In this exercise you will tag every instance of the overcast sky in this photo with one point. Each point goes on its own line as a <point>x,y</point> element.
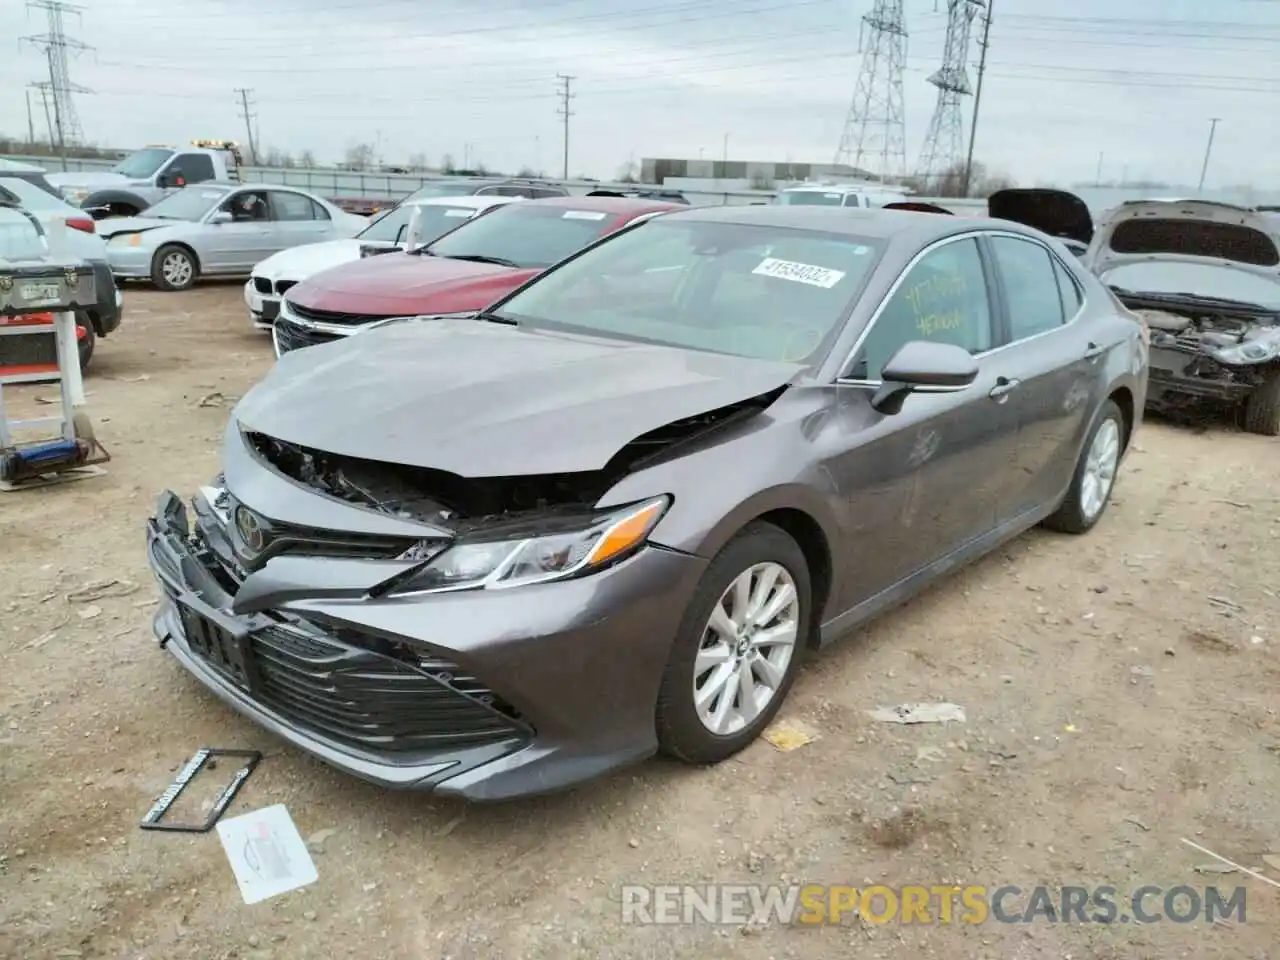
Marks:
<point>1066,81</point>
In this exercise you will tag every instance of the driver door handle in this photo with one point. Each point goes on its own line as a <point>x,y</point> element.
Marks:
<point>1004,386</point>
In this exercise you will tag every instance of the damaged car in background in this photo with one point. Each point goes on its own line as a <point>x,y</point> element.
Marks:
<point>611,514</point>
<point>1205,277</point>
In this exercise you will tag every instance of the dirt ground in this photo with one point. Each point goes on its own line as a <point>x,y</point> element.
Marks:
<point>1121,692</point>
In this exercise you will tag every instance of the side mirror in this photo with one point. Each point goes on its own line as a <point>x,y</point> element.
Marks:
<point>220,216</point>
<point>923,367</point>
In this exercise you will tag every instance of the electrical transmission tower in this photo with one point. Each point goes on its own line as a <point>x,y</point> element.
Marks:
<point>876,125</point>
<point>943,152</point>
<point>565,113</point>
<point>55,44</point>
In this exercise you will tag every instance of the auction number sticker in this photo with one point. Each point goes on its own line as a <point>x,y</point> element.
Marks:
<point>39,294</point>
<point>583,215</point>
<point>808,273</point>
<point>458,212</point>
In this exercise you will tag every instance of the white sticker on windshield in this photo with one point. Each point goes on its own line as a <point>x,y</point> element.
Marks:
<point>799,272</point>
<point>583,215</point>
<point>458,212</point>
<point>211,195</point>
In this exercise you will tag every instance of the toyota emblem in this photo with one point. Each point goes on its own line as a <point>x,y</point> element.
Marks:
<point>250,528</point>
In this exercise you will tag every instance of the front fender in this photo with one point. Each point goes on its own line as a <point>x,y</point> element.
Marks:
<point>96,203</point>
<point>771,462</point>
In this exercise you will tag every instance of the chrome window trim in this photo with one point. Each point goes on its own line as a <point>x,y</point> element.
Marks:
<point>911,265</point>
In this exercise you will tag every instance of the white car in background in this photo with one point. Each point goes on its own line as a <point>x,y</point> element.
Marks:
<point>79,238</point>
<point>838,195</point>
<point>276,274</point>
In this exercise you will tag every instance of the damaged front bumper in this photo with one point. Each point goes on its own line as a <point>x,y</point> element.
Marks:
<point>483,694</point>
<point>1177,374</point>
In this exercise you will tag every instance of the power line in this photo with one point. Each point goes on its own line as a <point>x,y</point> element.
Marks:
<point>565,113</point>
<point>55,44</point>
<point>243,93</point>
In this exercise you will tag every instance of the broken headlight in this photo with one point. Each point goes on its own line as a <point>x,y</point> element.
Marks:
<point>1251,351</point>
<point>514,562</point>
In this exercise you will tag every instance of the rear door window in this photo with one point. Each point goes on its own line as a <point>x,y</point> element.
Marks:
<point>1030,285</point>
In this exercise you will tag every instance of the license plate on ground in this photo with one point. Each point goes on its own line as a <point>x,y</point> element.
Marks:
<point>217,646</point>
<point>270,309</point>
<point>40,294</point>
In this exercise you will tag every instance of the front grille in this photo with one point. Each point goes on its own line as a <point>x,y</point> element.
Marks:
<point>284,285</point>
<point>262,284</point>
<point>334,317</point>
<point>291,336</point>
<point>358,698</point>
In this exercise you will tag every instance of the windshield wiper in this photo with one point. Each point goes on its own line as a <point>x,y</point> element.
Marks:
<point>481,258</point>
<point>495,317</point>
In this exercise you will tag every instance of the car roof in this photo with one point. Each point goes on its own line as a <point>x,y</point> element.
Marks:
<point>874,223</point>
<point>620,206</point>
<point>465,200</point>
<point>841,188</point>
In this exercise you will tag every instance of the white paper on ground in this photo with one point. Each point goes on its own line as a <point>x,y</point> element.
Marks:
<point>267,854</point>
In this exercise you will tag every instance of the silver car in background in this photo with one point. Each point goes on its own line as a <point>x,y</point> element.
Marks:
<point>219,229</point>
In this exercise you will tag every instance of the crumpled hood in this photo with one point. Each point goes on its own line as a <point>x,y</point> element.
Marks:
<point>1058,213</point>
<point>299,263</point>
<point>110,227</point>
<point>1187,231</point>
<point>397,284</point>
<point>479,399</point>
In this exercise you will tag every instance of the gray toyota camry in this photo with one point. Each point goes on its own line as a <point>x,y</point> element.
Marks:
<point>610,515</point>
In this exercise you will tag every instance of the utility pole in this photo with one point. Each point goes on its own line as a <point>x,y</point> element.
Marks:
<point>248,121</point>
<point>1213,126</point>
<point>31,124</point>
<point>977,96</point>
<point>565,113</point>
<point>44,101</point>
<point>1097,177</point>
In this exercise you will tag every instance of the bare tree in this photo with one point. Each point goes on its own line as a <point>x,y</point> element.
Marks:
<point>306,159</point>
<point>627,172</point>
<point>274,157</point>
<point>983,181</point>
<point>446,164</point>
<point>418,161</point>
<point>360,156</point>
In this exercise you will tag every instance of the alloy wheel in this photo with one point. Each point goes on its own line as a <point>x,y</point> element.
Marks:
<point>177,269</point>
<point>1100,469</point>
<point>747,646</point>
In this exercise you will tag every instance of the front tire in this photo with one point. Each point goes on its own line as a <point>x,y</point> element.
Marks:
<point>174,268</point>
<point>738,649</point>
<point>1262,408</point>
<point>1095,475</point>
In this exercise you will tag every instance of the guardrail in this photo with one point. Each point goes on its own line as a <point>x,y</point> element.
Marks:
<point>348,187</point>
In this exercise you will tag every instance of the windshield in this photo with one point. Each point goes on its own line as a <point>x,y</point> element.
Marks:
<point>445,188</point>
<point>811,198</point>
<point>752,291</point>
<point>189,204</point>
<point>437,219</point>
<point>1201,279</point>
<point>143,163</point>
<point>524,235</point>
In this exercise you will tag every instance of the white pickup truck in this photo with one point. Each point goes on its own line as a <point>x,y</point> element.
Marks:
<point>146,176</point>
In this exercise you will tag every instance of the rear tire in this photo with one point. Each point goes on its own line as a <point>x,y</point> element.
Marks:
<point>1262,408</point>
<point>734,644</point>
<point>85,342</point>
<point>1095,474</point>
<point>174,268</point>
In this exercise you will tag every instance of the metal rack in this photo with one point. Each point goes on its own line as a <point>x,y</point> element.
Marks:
<point>38,299</point>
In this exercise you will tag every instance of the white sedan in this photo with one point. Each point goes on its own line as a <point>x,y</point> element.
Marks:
<point>276,274</point>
